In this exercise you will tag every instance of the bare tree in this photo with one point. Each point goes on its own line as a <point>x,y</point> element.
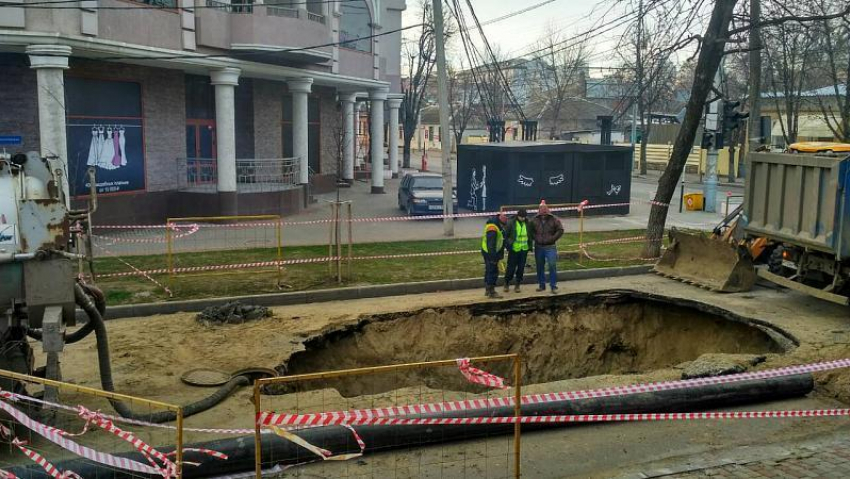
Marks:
<point>788,50</point>
<point>710,54</point>
<point>419,55</point>
<point>463,99</point>
<point>556,72</point>
<point>833,40</point>
<point>645,51</point>
<point>712,49</point>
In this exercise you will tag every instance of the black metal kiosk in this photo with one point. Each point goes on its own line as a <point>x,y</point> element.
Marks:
<point>491,175</point>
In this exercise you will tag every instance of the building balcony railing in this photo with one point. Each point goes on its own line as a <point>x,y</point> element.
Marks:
<point>316,17</point>
<point>278,11</point>
<point>200,175</point>
<point>228,7</point>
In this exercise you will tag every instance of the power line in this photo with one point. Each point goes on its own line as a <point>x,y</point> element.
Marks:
<point>265,52</point>
<point>62,5</point>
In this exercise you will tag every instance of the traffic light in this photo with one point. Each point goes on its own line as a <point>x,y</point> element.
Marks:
<point>730,121</point>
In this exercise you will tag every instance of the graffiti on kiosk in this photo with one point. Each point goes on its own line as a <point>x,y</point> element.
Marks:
<point>525,180</point>
<point>615,190</point>
<point>474,187</point>
<point>556,180</point>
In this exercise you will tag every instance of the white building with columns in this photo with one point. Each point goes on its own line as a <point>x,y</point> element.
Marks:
<point>203,107</point>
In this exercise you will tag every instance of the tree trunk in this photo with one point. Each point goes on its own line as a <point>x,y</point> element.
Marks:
<point>644,140</point>
<point>406,151</point>
<point>709,60</point>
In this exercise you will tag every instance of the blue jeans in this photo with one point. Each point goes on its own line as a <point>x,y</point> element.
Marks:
<point>491,270</point>
<point>541,257</point>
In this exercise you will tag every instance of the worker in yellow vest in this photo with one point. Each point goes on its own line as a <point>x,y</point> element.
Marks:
<point>518,243</point>
<point>493,249</point>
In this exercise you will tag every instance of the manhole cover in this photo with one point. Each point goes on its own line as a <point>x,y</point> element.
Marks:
<point>205,377</point>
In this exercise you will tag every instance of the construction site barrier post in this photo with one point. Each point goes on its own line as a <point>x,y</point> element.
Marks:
<point>515,370</point>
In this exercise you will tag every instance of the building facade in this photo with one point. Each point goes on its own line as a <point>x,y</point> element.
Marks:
<point>200,107</point>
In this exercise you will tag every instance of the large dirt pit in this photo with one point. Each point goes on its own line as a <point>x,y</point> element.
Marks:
<point>564,337</point>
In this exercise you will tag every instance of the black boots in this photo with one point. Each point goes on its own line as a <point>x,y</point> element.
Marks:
<point>491,293</point>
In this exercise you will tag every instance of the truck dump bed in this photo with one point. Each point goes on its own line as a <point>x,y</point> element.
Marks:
<point>799,199</point>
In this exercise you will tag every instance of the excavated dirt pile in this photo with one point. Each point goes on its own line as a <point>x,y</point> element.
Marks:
<point>558,337</point>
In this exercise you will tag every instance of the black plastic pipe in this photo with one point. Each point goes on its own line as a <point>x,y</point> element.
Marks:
<point>383,438</point>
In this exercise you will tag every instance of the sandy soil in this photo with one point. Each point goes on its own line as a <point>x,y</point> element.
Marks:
<point>150,354</point>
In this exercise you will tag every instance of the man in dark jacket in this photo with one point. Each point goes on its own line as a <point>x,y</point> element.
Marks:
<point>492,249</point>
<point>517,243</point>
<point>546,231</point>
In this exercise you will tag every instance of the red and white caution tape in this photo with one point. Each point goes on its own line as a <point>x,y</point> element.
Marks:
<point>137,271</point>
<point>478,376</point>
<point>48,467</point>
<point>167,469</point>
<point>278,419</point>
<point>380,219</point>
<point>189,231</point>
<point>585,418</point>
<point>20,397</point>
<point>52,435</point>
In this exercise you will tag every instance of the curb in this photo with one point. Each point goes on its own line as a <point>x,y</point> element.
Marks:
<point>349,293</point>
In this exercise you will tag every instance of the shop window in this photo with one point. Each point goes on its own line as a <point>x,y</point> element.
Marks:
<point>105,130</point>
<point>355,26</point>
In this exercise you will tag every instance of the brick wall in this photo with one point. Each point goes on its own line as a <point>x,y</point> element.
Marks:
<point>164,109</point>
<point>268,112</point>
<point>18,101</point>
<point>331,130</point>
<point>244,101</point>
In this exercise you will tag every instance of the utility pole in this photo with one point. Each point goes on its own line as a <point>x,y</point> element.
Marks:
<point>445,135</point>
<point>634,131</point>
<point>713,128</point>
<point>640,86</point>
<point>754,123</point>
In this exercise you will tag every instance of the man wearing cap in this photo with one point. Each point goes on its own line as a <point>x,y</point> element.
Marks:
<point>546,230</point>
<point>493,249</point>
<point>518,243</point>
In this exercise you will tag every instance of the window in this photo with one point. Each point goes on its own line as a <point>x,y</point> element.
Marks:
<point>427,183</point>
<point>160,3</point>
<point>355,26</point>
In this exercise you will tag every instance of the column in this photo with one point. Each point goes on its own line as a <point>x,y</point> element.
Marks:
<point>225,82</point>
<point>376,138</point>
<point>300,89</point>
<point>394,104</point>
<point>348,100</point>
<point>50,62</point>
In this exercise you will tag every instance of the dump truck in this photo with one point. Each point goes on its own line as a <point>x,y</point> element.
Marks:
<point>797,207</point>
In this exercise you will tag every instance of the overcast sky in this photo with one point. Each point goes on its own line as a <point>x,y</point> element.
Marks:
<point>517,35</point>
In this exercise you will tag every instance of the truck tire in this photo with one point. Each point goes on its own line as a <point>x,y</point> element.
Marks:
<point>774,262</point>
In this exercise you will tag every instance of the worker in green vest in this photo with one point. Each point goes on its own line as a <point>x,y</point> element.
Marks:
<point>493,250</point>
<point>518,243</point>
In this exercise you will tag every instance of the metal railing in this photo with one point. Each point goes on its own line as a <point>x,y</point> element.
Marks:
<point>279,11</point>
<point>316,17</point>
<point>228,7</point>
<point>252,175</point>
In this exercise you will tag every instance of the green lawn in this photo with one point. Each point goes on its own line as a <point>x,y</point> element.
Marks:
<point>127,290</point>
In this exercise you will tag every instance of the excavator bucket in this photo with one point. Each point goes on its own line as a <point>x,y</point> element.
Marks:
<point>711,263</point>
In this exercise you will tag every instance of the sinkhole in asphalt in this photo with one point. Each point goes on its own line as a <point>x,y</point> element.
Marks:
<point>558,337</point>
